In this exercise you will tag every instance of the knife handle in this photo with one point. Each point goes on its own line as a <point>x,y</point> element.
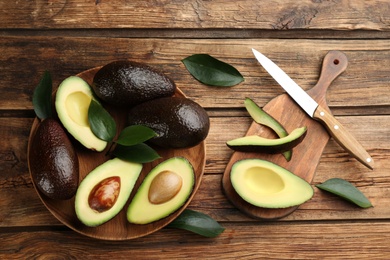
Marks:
<point>343,137</point>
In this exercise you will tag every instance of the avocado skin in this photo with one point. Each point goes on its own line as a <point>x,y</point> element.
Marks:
<point>53,161</point>
<point>127,83</point>
<point>178,122</point>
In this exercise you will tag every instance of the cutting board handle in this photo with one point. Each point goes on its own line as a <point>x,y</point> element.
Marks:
<point>334,63</point>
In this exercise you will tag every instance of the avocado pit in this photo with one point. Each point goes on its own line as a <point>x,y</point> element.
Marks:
<point>104,195</point>
<point>164,187</point>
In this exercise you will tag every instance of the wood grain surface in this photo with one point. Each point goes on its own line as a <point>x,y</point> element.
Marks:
<point>67,37</point>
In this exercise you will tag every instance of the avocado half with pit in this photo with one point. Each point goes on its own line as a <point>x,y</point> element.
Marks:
<point>255,143</point>
<point>72,102</point>
<point>164,190</point>
<point>104,191</point>
<point>267,185</point>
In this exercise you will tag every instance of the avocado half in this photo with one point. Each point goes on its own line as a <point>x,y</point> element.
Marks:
<point>104,191</point>
<point>267,185</point>
<point>164,190</point>
<point>72,102</point>
<point>255,143</point>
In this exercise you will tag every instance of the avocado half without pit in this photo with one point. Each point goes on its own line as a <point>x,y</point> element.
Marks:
<point>164,190</point>
<point>72,101</point>
<point>267,185</point>
<point>255,143</point>
<point>104,191</point>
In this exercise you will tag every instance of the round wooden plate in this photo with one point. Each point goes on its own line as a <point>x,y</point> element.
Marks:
<point>118,228</point>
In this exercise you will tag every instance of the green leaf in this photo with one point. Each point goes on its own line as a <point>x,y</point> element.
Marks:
<point>211,71</point>
<point>263,118</point>
<point>42,100</point>
<point>198,223</point>
<point>139,153</point>
<point>101,122</point>
<point>346,190</point>
<point>135,134</point>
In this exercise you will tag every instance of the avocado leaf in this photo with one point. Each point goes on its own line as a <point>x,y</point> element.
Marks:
<point>345,190</point>
<point>135,134</point>
<point>198,223</point>
<point>42,100</point>
<point>211,71</point>
<point>139,153</point>
<point>101,122</point>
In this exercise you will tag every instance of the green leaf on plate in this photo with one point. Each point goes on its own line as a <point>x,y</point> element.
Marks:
<point>346,190</point>
<point>135,134</point>
<point>211,71</point>
<point>101,122</point>
<point>139,153</point>
<point>42,100</point>
<point>198,223</point>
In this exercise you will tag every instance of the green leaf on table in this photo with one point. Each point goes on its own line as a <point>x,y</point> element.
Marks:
<point>139,153</point>
<point>345,190</point>
<point>101,122</point>
<point>198,223</point>
<point>135,134</point>
<point>42,100</point>
<point>211,71</point>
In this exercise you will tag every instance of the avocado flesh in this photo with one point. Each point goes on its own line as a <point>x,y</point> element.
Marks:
<point>263,118</point>
<point>142,211</point>
<point>128,174</point>
<point>72,102</point>
<point>126,83</point>
<point>267,185</point>
<point>178,122</point>
<point>53,161</point>
<point>255,143</point>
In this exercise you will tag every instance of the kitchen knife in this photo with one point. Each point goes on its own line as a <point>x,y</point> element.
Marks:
<point>315,111</point>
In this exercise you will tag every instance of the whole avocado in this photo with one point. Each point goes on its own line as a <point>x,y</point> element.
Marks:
<point>178,122</point>
<point>53,161</point>
<point>127,83</point>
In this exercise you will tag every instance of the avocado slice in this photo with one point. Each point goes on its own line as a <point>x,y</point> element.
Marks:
<point>255,143</point>
<point>262,117</point>
<point>104,191</point>
<point>164,190</point>
<point>73,98</point>
<point>268,185</point>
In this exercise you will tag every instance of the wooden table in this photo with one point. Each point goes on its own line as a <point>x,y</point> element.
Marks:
<point>67,37</point>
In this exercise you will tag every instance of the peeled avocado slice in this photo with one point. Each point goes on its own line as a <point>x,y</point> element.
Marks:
<point>262,117</point>
<point>104,191</point>
<point>164,190</point>
<point>267,185</point>
<point>255,143</point>
<point>72,102</point>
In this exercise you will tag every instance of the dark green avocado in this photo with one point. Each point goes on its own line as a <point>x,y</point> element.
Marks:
<point>127,83</point>
<point>178,122</point>
<point>53,161</point>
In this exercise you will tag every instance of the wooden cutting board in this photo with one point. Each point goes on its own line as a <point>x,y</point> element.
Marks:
<point>307,154</point>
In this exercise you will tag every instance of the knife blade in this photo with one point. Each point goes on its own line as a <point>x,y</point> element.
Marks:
<point>316,111</point>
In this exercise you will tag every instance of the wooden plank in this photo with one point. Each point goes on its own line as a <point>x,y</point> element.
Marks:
<point>22,205</point>
<point>307,240</point>
<point>366,77</point>
<point>242,14</point>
